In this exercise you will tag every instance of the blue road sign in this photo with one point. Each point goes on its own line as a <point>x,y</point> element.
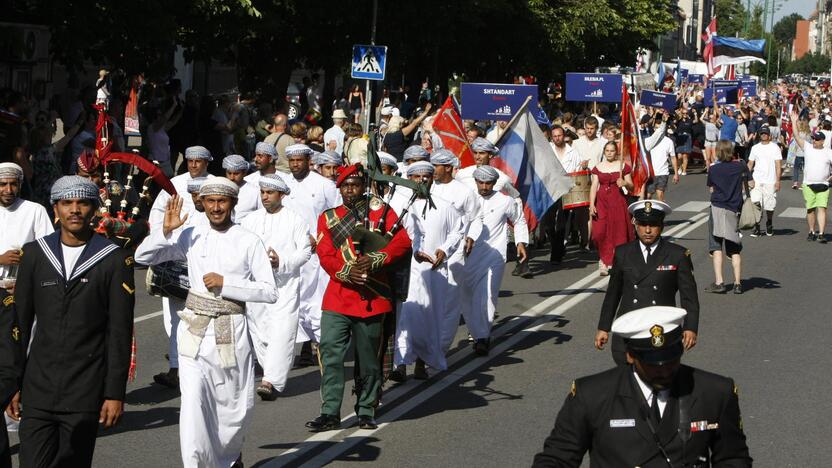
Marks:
<point>368,62</point>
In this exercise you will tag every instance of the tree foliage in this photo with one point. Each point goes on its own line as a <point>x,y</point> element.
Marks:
<point>809,64</point>
<point>731,17</point>
<point>784,31</point>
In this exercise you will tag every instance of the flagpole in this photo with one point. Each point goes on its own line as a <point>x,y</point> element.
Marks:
<point>514,119</point>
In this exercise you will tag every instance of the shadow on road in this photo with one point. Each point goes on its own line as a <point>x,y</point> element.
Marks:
<point>760,283</point>
<point>152,418</point>
<point>152,394</point>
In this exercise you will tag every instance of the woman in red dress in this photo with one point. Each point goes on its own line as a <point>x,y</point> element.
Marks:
<point>611,224</point>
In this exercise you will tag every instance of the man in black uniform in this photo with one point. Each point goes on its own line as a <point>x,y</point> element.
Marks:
<point>655,412</point>
<point>79,286</point>
<point>11,355</point>
<point>648,271</point>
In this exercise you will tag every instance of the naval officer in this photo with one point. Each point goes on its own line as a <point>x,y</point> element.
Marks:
<point>646,272</point>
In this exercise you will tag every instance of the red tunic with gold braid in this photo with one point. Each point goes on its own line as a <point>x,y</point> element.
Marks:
<point>341,295</point>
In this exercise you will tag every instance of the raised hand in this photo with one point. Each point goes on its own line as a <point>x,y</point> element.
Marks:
<point>173,219</point>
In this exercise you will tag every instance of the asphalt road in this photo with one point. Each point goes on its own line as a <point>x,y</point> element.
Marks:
<point>496,410</point>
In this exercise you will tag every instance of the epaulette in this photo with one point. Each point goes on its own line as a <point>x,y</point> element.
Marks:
<point>9,300</point>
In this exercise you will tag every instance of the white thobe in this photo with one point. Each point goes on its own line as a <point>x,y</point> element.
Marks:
<point>484,267</point>
<point>216,401</point>
<point>274,327</point>
<point>419,325</point>
<point>310,197</point>
<point>156,218</point>
<point>248,201</point>
<point>466,203</point>
<point>21,222</point>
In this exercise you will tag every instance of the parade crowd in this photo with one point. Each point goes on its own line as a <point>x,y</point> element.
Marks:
<point>279,232</point>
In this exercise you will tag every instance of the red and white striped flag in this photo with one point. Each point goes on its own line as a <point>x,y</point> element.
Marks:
<point>708,52</point>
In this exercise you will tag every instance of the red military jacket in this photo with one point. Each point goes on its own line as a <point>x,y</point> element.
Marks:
<point>342,296</point>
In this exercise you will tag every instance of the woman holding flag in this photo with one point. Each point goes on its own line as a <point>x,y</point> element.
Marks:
<point>608,205</point>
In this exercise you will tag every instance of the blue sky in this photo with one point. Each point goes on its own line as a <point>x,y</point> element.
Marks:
<point>803,7</point>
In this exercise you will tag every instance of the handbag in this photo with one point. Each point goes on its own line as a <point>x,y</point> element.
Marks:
<point>750,213</point>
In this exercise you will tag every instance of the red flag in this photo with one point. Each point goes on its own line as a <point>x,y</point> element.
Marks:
<point>448,125</point>
<point>630,151</point>
<point>708,52</point>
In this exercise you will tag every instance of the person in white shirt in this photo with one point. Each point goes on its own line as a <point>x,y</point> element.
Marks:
<point>764,162</point>
<point>334,137</point>
<point>21,222</point>
<point>310,195</point>
<point>589,146</point>
<point>817,169</point>
<point>274,327</point>
<point>265,161</point>
<point>662,154</point>
<point>487,259</point>
<point>236,168</point>
<point>227,267</point>
<point>557,219</point>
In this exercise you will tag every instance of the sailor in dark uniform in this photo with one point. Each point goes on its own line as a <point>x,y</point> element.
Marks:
<point>11,356</point>
<point>654,412</point>
<point>647,272</point>
<point>79,286</point>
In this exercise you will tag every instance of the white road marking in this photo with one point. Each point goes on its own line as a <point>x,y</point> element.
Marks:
<point>149,316</point>
<point>542,311</point>
<point>793,212</point>
<point>694,206</point>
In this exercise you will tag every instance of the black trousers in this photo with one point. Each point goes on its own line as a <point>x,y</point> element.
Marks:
<point>57,440</point>
<point>555,221</point>
<point>5,452</point>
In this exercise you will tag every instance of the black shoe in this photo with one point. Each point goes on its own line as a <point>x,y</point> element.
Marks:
<point>522,270</point>
<point>481,347</point>
<point>756,232</point>
<point>306,357</point>
<point>812,237</point>
<point>822,238</point>
<point>769,231</point>
<point>716,288</point>
<point>555,260</point>
<point>737,288</point>
<point>168,379</point>
<point>267,392</point>
<point>324,422</point>
<point>398,375</point>
<point>420,372</point>
<point>367,422</point>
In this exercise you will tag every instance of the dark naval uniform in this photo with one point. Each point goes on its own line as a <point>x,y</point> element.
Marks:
<point>80,353</point>
<point>11,362</point>
<point>607,415</point>
<point>635,284</point>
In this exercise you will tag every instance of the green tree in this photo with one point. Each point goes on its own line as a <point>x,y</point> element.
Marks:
<point>730,18</point>
<point>809,64</point>
<point>784,31</point>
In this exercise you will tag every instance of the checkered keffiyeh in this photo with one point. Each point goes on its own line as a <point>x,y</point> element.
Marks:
<point>198,152</point>
<point>219,186</point>
<point>235,163</point>
<point>10,170</point>
<point>72,188</point>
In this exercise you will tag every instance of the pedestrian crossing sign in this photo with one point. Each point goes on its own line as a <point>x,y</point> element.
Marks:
<point>368,62</point>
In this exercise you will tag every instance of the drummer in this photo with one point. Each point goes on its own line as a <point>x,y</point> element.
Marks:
<point>557,220</point>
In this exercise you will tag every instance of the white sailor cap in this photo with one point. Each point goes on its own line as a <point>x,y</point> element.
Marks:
<point>219,186</point>
<point>274,182</point>
<point>10,170</point>
<point>198,152</point>
<point>235,163</point>
<point>649,211</point>
<point>195,184</point>
<point>73,187</point>
<point>298,150</point>
<point>442,157</point>
<point>652,334</point>
<point>265,148</point>
<point>387,159</point>
<point>486,174</point>
<point>420,167</point>
<point>415,152</point>
<point>480,144</point>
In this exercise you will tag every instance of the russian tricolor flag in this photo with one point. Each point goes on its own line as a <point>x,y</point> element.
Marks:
<point>528,159</point>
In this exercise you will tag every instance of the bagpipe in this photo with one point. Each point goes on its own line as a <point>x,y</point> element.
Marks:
<point>119,217</point>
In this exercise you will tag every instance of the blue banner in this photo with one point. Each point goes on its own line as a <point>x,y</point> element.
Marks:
<point>696,78</point>
<point>685,74</point>
<point>491,101</point>
<point>598,87</point>
<point>726,83</point>
<point>724,95</point>
<point>666,101</point>
<point>749,88</point>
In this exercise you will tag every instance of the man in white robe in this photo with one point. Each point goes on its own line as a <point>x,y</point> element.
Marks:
<point>465,202</point>
<point>197,158</point>
<point>21,222</point>
<point>483,271</point>
<point>274,326</point>
<point>227,267</point>
<point>265,161</point>
<point>310,195</point>
<point>436,234</point>
<point>236,168</point>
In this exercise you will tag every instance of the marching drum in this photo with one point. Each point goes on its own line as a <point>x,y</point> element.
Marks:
<point>168,279</point>
<point>578,195</point>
